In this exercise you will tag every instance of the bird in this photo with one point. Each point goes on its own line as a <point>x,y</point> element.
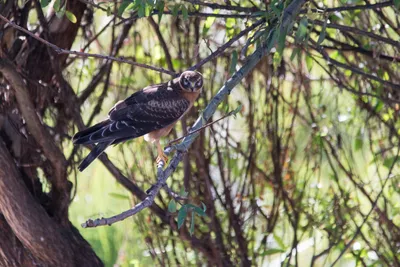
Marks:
<point>151,112</point>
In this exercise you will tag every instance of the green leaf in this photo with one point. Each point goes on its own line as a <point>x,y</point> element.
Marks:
<point>279,241</point>
<point>44,3</point>
<point>118,196</point>
<point>109,11</point>
<point>272,251</point>
<point>358,143</point>
<point>234,60</point>
<point>379,105</point>
<point>295,52</point>
<point>301,32</point>
<point>388,162</point>
<point>123,6</point>
<point>321,37</point>
<point>191,230</point>
<point>183,192</point>
<point>196,209</point>
<point>57,5</point>
<point>272,39</point>
<point>236,110</point>
<point>160,9</point>
<point>172,206</point>
<point>182,216</point>
<point>142,10</point>
<point>207,24</point>
<point>259,14</point>
<point>281,42</point>
<point>309,62</point>
<point>204,206</point>
<point>185,12</point>
<point>175,10</point>
<point>61,12</point>
<point>70,16</point>
<point>396,4</point>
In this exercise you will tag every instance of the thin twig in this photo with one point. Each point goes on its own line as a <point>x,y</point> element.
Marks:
<point>60,51</point>
<point>224,7</point>
<point>201,128</point>
<point>173,194</point>
<point>227,44</point>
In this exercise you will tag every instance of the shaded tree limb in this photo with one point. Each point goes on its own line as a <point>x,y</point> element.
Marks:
<point>46,241</point>
<point>43,138</point>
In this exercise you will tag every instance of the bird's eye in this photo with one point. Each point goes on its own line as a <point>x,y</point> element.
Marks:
<point>186,82</point>
<point>199,83</point>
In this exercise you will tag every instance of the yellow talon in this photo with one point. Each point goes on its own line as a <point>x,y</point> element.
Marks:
<point>161,156</point>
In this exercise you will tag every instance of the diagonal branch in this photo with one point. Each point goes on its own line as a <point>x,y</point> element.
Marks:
<point>61,51</point>
<point>162,175</point>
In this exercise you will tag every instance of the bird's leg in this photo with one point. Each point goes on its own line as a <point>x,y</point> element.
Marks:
<point>161,156</point>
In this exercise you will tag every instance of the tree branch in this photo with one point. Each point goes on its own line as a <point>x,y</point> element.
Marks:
<point>162,175</point>
<point>41,135</point>
<point>61,51</point>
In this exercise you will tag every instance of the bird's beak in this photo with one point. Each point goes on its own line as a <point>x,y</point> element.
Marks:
<point>193,86</point>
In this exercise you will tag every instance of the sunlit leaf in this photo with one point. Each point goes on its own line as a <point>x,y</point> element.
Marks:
<point>208,22</point>
<point>309,62</point>
<point>279,241</point>
<point>70,16</point>
<point>57,5</point>
<point>272,251</point>
<point>119,196</point>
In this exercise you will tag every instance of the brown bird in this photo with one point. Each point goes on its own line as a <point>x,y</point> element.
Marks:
<point>152,111</point>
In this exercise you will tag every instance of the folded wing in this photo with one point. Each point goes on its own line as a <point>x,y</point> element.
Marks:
<point>142,113</point>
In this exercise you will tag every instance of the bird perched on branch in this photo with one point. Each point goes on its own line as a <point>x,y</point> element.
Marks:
<point>152,111</point>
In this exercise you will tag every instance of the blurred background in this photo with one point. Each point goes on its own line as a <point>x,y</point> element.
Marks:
<point>305,174</point>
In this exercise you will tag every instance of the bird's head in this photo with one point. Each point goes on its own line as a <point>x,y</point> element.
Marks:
<point>191,81</point>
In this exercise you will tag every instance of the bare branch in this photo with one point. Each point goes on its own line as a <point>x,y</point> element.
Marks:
<point>61,51</point>
<point>226,45</point>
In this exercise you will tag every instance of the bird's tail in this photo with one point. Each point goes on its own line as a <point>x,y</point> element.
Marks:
<point>96,151</point>
<point>86,136</point>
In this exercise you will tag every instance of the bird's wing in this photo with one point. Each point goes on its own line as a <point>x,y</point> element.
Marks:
<point>145,111</point>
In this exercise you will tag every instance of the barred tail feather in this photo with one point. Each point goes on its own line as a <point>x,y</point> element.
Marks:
<point>96,151</point>
<point>83,137</point>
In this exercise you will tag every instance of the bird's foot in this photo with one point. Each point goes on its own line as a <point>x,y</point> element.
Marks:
<point>161,157</point>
